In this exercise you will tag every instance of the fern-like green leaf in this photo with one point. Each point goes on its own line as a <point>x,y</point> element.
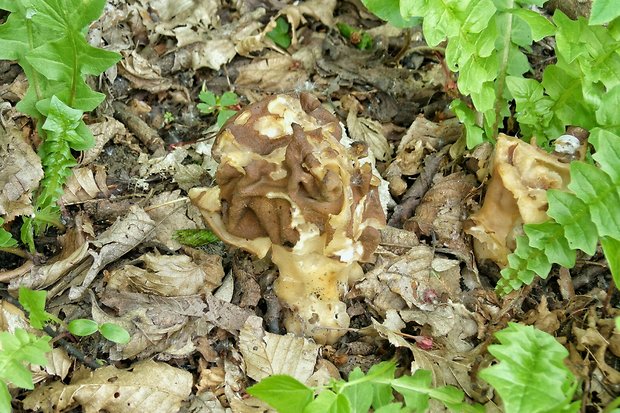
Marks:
<point>6,239</point>
<point>531,375</point>
<point>18,349</point>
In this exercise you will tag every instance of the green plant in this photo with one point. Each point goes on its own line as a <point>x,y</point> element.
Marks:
<point>16,351</point>
<point>34,302</point>
<point>280,34</point>
<point>358,38</point>
<point>195,237</point>
<point>6,239</point>
<point>374,389</point>
<point>531,375</point>
<point>212,103</point>
<point>47,39</point>
<point>485,43</point>
<point>168,117</point>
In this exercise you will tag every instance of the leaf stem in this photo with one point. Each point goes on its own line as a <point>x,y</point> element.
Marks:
<point>501,78</point>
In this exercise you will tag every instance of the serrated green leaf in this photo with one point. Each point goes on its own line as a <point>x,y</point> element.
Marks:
<point>224,115</point>
<point>531,375</point>
<point>539,25</point>
<point>283,393</point>
<point>17,349</point>
<point>474,133</point>
<point>393,11</point>
<point>606,115</point>
<point>6,239</point>
<point>328,402</point>
<point>549,237</point>
<point>83,327</point>
<point>607,154</point>
<point>5,398</point>
<point>359,394</point>
<point>229,99</point>
<point>34,302</point>
<point>114,333</point>
<point>208,97</point>
<point>603,11</point>
<point>611,249</point>
<point>574,216</point>
<point>595,189</point>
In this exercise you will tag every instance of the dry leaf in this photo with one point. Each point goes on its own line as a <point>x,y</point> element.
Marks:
<point>147,386</point>
<point>370,132</point>
<point>19,175</point>
<point>171,211</point>
<point>227,316</point>
<point>274,74</point>
<point>42,276</point>
<point>165,325</point>
<point>82,185</point>
<point>103,133</point>
<point>164,275</point>
<point>116,241</point>
<point>266,354</point>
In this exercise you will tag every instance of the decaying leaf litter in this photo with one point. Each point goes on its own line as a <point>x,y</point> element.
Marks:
<point>206,323</point>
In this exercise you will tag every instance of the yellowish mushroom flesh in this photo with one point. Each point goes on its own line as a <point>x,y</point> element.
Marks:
<point>286,185</point>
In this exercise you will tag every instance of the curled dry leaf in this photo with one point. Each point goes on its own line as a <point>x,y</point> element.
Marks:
<point>171,213</point>
<point>422,138</point>
<point>20,174</point>
<point>143,74</point>
<point>516,195</point>
<point>166,326</point>
<point>147,386</point>
<point>266,354</point>
<point>42,276</point>
<point>103,133</point>
<point>275,73</point>
<point>116,241</point>
<point>166,275</point>
<point>83,185</point>
<point>172,15</point>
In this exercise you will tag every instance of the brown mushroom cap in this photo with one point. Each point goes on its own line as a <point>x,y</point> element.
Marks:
<point>287,184</point>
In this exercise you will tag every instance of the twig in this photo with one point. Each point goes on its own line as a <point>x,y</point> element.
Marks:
<point>414,194</point>
<point>143,132</point>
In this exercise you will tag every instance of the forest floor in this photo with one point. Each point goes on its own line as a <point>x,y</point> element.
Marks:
<point>204,322</point>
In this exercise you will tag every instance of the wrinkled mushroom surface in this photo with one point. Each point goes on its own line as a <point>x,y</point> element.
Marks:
<point>286,184</point>
<point>516,195</point>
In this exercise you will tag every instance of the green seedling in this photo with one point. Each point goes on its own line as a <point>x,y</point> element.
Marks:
<point>280,34</point>
<point>358,38</point>
<point>374,389</point>
<point>222,105</point>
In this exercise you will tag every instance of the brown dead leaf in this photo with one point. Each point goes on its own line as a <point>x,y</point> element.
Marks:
<point>275,73</point>
<point>116,241</point>
<point>164,325</point>
<point>83,185</point>
<point>42,276</point>
<point>163,275</point>
<point>370,132</point>
<point>20,174</point>
<point>103,133</point>
<point>172,212</point>
<point>322,10</point>
<point>147,386</point>
<point>266,354</point>
<point>226,315</point>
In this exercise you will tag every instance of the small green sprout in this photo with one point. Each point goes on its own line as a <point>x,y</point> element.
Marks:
<point>280,34</point>
<point>168,117</point>
<point>195,237</point>
<point>358,38</point>
<point>222,105</point>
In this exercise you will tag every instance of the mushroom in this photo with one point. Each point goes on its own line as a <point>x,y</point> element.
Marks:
<point>516,195</point>
<point>286,185</point>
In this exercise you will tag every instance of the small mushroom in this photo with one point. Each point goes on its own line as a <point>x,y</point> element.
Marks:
<point>287,186</point>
